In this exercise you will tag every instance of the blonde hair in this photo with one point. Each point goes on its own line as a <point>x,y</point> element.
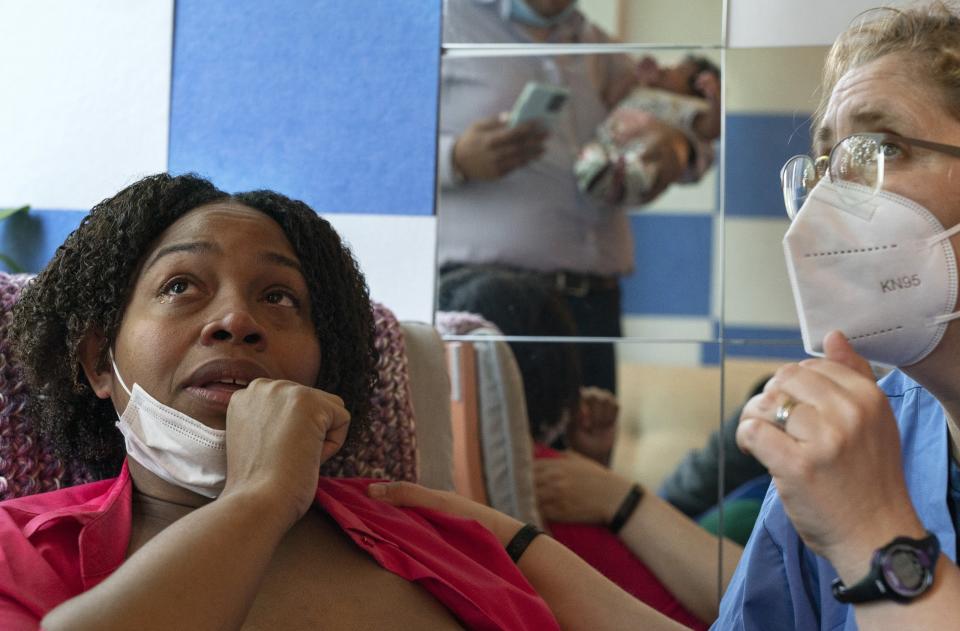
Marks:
<point>928,32</point>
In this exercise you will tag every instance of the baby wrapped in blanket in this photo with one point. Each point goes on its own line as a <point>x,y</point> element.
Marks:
<point>618,167</point>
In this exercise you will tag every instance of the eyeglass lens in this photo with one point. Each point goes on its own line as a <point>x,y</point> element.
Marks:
<point>797,178</point>
<point>857,159</point>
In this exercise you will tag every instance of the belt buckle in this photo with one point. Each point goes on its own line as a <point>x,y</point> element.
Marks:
<point>577,291</point>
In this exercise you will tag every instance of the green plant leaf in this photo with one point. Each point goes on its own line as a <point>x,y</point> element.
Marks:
<point>11,264</point>
<point>7,212</point>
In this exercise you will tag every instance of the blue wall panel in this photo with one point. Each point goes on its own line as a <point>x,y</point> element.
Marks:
<point>751,334</point>
<point>31,239</point>
<point>755,343</point>
<point>757,147</point>
<point>672,266</point>
<point>779,352</point>
<point>709,354</point>
<point>330,101</point>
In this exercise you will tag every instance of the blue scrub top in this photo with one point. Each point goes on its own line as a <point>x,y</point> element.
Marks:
<point>780,584</point>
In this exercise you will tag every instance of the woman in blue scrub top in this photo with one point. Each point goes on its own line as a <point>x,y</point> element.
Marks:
<point>859,527</point>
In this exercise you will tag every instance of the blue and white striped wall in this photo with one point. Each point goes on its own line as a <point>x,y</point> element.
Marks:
<point>334,102</point>
<point>330,102</point>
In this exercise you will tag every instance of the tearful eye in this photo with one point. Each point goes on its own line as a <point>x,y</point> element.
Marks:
<point>176,286</point>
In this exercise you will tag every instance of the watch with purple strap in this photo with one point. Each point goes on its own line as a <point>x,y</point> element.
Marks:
<point>900,571</point>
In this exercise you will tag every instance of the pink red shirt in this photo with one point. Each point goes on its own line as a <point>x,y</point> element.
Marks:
<point>55,546</point>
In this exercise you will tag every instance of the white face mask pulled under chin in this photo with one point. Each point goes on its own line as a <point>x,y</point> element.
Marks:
<point>878,267</point>
<point>171,445</point>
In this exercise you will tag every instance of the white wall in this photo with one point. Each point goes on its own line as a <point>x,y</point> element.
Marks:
<point>396,254</point>
<point>673,21</point>
<point>760,23</point>
<point>774,80</point>
<point>86,96</point>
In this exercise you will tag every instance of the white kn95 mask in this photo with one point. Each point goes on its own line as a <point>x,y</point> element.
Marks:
<point>877,266</point>
<point>168,443</point>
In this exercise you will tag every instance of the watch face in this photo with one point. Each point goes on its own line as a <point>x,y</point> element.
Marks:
<point>905,569</point>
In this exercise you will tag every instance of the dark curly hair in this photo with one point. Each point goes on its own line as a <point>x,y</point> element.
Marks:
<point>88,283</point>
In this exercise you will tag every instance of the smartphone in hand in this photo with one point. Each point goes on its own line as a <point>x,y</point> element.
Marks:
<point>539,102</point>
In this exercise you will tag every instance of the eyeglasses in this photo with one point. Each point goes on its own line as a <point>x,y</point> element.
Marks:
<point>860,158</point>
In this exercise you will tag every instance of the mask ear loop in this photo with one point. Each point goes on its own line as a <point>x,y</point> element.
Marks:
<point>932,241</point>
<point>116,371</point>
<point>943,319</point>
<point>946,234</point>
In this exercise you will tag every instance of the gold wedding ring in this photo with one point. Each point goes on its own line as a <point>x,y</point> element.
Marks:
<point>783,413</point>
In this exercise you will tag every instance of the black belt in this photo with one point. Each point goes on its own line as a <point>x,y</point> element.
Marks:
<point>575,284</point>
<point>579,285</point>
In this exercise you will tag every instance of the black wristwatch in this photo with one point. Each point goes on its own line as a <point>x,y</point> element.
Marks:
<point>899,571</point>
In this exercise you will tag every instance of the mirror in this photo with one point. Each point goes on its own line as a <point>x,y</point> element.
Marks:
<point>771,94</point>
<point>660,353</point>
<point>648,22</point>
<point>553,215</point>
<point>669,405</point>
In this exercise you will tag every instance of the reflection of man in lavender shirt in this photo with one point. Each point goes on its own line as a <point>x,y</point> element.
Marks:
<point>509,196</point>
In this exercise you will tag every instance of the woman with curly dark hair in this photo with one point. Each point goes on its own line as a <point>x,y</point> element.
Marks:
<point>229,339</point>
<point>87,287</point>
